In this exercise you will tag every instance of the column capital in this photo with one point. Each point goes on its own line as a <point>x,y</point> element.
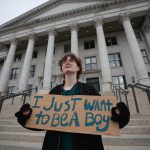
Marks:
<point>14,41</point>
<point>74,26</point>
<point>52,31</point>
<point>98,21</point>
<point>32,36</point>
<point>125,16</point>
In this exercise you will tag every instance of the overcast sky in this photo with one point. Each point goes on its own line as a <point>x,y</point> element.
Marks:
<point>10,9</point>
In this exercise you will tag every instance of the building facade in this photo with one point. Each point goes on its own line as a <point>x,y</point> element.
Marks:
<point>112,38</point>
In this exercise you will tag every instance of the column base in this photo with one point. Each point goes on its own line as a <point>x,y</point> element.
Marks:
<point>106,87</point>
<point>145,81</point>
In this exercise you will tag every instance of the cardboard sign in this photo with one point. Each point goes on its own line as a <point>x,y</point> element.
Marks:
<point>76,114</point>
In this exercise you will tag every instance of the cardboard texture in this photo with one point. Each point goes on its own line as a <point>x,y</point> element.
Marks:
<point>76,114</point>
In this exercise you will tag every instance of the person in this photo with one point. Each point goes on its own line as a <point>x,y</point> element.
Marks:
<point>71,68</point>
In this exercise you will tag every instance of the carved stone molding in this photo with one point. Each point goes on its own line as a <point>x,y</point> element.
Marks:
<point>125,16</point>
<point>74,26</point>
<point>52,31</point>
<point>17,24</point>
<point>98,21</point>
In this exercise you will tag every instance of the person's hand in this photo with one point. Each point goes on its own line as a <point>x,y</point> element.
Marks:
<point>24,114</point>
<point>120,114</point>
<point>26,110</point>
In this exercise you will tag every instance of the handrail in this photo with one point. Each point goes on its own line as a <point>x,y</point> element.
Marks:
<point>24,94</point>
<point>143,87</point>
<point>118,91</point>
<point>140,86</point>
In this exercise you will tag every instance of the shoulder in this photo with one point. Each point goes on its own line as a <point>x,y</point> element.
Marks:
<point>87,89</point>
<point>56,90</point>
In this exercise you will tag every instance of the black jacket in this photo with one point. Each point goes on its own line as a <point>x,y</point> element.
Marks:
<point>81,141</point>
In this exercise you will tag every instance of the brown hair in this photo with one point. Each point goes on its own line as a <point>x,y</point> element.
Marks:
<point>76,59</point>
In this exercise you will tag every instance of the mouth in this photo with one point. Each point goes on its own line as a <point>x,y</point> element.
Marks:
<point>68,66</point>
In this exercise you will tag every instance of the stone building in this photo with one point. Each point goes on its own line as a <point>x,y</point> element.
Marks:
<point>112,37</point>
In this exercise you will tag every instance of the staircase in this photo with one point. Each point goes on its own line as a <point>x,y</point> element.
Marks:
<point>135,136</point>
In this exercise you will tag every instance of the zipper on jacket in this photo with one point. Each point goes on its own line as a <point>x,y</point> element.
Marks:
<point>58,142</point>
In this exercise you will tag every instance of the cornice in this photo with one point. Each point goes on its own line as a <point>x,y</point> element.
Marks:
<point>75,12</point>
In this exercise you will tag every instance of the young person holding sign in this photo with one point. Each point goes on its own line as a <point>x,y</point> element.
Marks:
<point>71,68</point>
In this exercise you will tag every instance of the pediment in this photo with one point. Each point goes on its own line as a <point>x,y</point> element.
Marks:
<point>64,7</point>
<point>49,8</point>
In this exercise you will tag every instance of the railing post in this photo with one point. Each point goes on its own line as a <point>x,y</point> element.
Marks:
<point>13,101</point>
<point>24,99</point>
<point>148,94</point>
<point>1,104</point>
<point>120,96</point>
<point>136,104</point>
<point>126,100</point>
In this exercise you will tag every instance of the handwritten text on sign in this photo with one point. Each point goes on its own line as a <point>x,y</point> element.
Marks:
<point>77,114</point>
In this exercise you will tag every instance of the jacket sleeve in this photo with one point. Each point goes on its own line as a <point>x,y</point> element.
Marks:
<point>123,117</point>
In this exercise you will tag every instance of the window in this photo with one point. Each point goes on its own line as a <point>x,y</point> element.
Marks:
<point>35,53</point>
<point>138,36</point>
<point>32,71</point>
<point>18,57</point>
<point>119,80</point>
<point>14,73</point>
<point>11,89</point>
<point>111,41</point>
<point>67,48</point>
<point>114,60</point>
<point>149,74</point>
<point>94,82</point>
<point>90,63</point>
<point>145,57</point>
<point>29,87</point>
<point>89,44</point>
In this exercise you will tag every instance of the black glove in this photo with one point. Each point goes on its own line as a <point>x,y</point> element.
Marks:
<point>21,117</point>
<point>123,116</point>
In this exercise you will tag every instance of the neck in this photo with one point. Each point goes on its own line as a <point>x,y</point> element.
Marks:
<point>70,80</point>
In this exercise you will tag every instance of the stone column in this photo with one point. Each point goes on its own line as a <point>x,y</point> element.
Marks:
<point>26,65</point>
<point>135,50</point>
<point>103,56</point>
<point>6,69</point>
<point>74,38</point>
<point>146,29</point>
<point>49,60</point>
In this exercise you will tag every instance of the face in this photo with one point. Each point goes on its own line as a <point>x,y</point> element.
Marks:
<point>69,66</point>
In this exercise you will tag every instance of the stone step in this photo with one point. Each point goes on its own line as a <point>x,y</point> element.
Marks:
<point>126,147</point>
<point>135,130</point>
<point>22,136</point>
<point>126,139</point>
<point>19,145</point>
<point>123,139</point>
<point>126,130</point>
